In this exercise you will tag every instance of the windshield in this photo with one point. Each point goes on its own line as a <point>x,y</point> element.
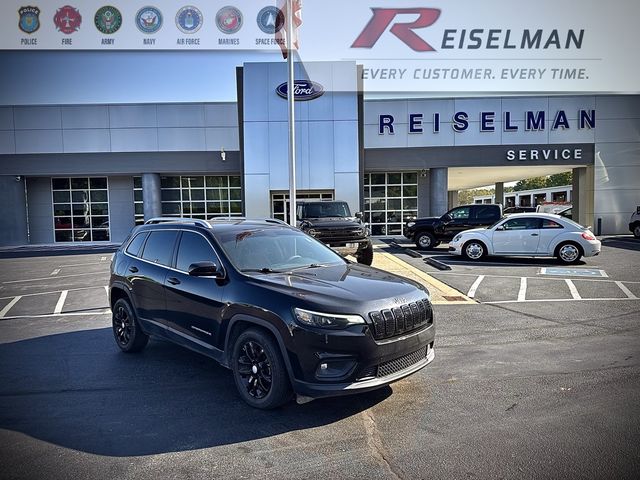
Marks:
<point>326,209</point>
<point>275,250</point>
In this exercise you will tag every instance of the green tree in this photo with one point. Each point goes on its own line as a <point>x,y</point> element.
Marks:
<point>465,197</point>
<point>530,184</point>
<point>560,179</point>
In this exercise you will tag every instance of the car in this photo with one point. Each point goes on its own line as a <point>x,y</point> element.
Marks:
<point>429,232</point>
<point>532,235</point>
<point>634,223</point>
<point>331,223</point>
<point>510,210</point>
<point>285,313</point>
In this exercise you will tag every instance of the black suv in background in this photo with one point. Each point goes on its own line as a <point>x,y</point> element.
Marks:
<point>331,223</point>
<point>428,232</point>
<point>284,312</point>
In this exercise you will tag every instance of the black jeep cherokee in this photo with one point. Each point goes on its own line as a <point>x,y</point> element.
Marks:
<point>331,223</point>
<point>284,312</point>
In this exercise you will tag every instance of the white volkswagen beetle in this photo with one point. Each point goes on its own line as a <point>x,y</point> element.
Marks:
<point>531,235</point>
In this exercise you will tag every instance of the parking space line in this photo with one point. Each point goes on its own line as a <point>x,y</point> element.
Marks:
<point>53,291</point>
<point>474,287</point>
<point>106,289</point>
<point>55,272</point>
<point>103,259</point>
<point>69,314</point>
<point>80,264</point>
<point>546,300</point>
<point>572,288</point>
<point>551,279</point>
<point>626,291</point>
<point>8,306</point>
<point>61,300</point>
<point>49,278</point>
<point>522,293</point>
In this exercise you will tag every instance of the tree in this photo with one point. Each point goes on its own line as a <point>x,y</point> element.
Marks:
<point>465,197</point>
<point>530,184</point>
<point>560,179</point>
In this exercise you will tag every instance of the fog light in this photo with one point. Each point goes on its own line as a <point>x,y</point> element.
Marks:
<point>334,369</point>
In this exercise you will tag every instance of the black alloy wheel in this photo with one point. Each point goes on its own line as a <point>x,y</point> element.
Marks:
<point>128,334</point>
<point>259,370</point>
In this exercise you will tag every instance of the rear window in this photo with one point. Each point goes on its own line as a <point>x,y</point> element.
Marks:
<point>487,212</point>
<point>159,247</point>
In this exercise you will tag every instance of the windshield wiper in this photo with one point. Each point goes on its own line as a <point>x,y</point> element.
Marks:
<point>261,270</point>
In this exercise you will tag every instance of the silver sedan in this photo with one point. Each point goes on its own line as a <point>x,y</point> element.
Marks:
<point>531,235</point>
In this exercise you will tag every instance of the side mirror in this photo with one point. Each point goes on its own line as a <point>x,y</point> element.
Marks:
<point>500,228</point>
<point>358,214</point>
<point>205,269</point>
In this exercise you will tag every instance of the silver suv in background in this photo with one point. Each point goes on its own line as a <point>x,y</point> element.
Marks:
<point>634,223</point>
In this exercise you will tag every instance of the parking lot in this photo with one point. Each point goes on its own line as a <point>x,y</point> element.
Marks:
<point>539,377</point>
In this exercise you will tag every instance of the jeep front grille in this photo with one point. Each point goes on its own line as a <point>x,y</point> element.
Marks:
<point>396,321</point>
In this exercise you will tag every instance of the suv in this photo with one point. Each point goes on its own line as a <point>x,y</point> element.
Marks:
<point>429,232</point>
<point>634,223</point>
<point>284,312</point>
<point>331,223</point>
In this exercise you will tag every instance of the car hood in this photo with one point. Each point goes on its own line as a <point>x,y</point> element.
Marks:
<point>331,222</point>
<point>475,230</point>
<point>341,285</point>
<point>426,220</point>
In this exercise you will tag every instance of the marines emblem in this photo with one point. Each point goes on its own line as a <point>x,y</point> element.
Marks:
<point>29,20</point>
<point>229,20</point>
<point>67,19</point>
<point>148,19</point>
<point>270,20</point>
<point>189,19</point>
<point>108,20</point>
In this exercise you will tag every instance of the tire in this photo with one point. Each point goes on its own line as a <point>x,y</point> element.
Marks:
<point>365,256</point>
<point>568,253</point>
<point>474,250</point>
<point>636,230</point>
<point>259,371</point>
<point>126,329</point>
<point>425,241</point>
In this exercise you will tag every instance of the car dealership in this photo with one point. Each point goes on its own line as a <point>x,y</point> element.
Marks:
<point>95,137</point>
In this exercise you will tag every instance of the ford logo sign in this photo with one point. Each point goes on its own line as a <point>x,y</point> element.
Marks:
<point>302,90</point>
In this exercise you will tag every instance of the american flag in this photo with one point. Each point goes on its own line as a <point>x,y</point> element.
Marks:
<point>281,34</point>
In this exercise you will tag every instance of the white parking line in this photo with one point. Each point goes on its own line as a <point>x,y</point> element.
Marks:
<point>52,291</point>
<point>103,259</point>
<point>61,300</point>
<point>8,306</point>
<point>55,272</point>
<point>80,264</point>
<point>572,288</point>
<point>69,314</point>
<point>474,287</point>
<point>522,293</point>
<point>49,278</point>
<point>626,291</point>
<point>546,300</point>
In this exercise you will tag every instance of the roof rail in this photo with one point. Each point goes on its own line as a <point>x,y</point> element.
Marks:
<point>247,219</point>
<point>195,221</point>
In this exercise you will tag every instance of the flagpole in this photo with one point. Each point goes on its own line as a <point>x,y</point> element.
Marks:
<point>292,124</point>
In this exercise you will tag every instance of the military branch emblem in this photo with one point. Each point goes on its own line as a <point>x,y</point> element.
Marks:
<point>67,19</point>
<point>189,19</point>
<point>148,19</point>
<point>270,20</point>
<point>229,20</point>
<point>108,20</point>
<point>29,20</point>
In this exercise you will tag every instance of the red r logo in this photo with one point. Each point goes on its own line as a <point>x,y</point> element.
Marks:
<point>382,18</point>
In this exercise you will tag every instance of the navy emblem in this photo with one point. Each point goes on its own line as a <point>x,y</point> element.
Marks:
<point>229,20</point>
<point>270,20</point>
<point>148,19</point>
<point>189,19</point>
<point>29,20</point>
<point>302,90</point>
<point>108,20</point>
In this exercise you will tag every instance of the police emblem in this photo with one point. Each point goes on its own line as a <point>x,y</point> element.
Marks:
<point>108,19</point>
<point>67,19</point>
<point>29,20</point>
<point>229,20</point>
<point>189,19</point>
<point>148,19</point>
<point>270,20</point>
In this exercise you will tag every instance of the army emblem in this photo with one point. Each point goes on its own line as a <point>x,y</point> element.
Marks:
<point>189,19</point>
<point>229,20</point>
<point>148,19</point>
<point>270,20</point>
<point>29,20</point>
<point>108,20</point>
<point>67,19</point>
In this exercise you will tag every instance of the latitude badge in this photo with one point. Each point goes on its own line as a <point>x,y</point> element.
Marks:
<point>229,20</point>
<point>67,19</point>
<point>29,20</point>
<point>189,19</point>
<point>270,20</point>
<point>148,19</point>
<point>108,20</point>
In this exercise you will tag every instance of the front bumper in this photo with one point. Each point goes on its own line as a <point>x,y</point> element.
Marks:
<point>344,248</point>
<point>455,248</point>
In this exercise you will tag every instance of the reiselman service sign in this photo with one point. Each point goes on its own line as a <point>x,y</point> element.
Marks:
<point>435,46</point>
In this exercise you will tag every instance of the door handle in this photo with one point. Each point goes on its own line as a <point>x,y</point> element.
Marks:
<point>173,281</point>
<point>534,234</point>
<point>133,269</point>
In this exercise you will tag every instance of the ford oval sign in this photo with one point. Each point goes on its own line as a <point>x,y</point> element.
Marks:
<point>302,90</point>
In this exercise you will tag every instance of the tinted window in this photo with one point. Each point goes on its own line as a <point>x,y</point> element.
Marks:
<point>546,223</point>
<point>136,244</point>
<point>461,213</point>
<point>522,224</point>
<point>159,247</point>
<point>193,248</point>
<point>486,213</point>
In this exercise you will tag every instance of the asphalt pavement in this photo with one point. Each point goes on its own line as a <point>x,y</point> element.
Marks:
<point>532,383</point>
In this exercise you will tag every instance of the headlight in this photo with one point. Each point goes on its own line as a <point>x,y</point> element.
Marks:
<point>326,320</point>
<point>457,238</point>
<point>410,224</point>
